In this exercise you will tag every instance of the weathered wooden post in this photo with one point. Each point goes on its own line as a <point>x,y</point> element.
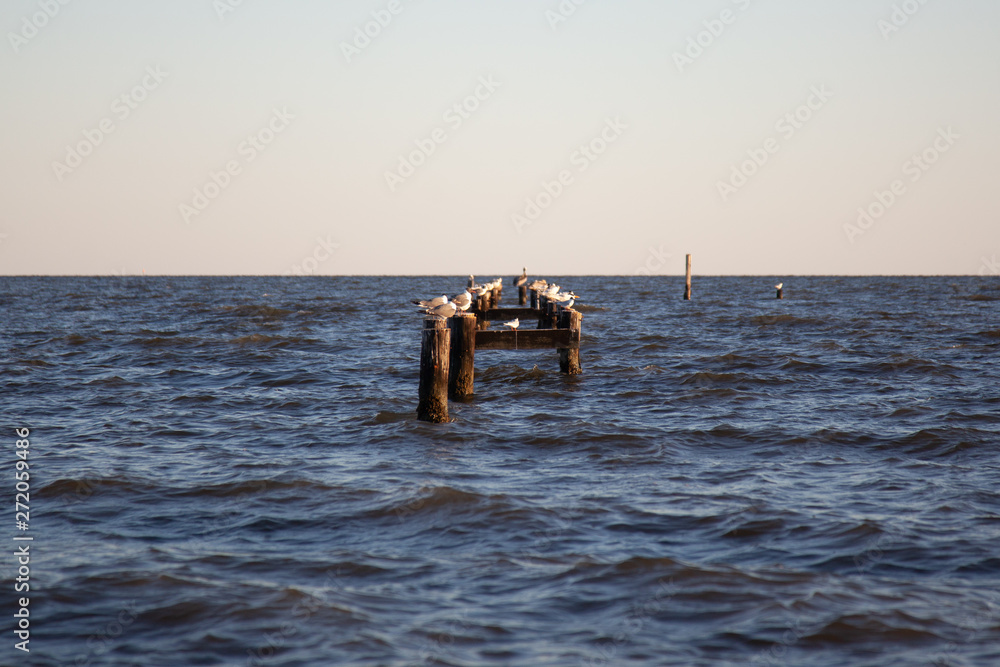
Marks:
<point>781,290</point>
<point>569,357</point>
<point>543,316</point>
<point>687,283</point>
<point>463,356</point>
<point>495,297</point>
<point>552,311</point>
<point>472,281</point>
<point>435,358</point>
<point>534,298</point>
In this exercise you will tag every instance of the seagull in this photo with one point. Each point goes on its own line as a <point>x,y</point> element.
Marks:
<point>565,299</point>
<point>462,301</point>
<point>444,311</point>
<point>779,285</point>
<point>513,325</point>
<point>431,303</point>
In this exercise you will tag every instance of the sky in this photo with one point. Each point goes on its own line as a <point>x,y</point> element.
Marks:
<point>447,137</point>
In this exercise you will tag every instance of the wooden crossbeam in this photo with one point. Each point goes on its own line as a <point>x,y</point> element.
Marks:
<point>528,339</point>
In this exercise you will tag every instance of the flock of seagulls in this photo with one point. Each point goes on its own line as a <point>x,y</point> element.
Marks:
<point>443,307</point>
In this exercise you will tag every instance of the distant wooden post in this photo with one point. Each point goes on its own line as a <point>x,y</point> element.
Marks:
<point>534,298</point>
<point>435,358</point>
<point>496,296</point>
<point>472,281</point>
<point>687,282</point>
<point>522,296</point>
<point>781,293</point>
<point>569,358</point>
<point>463,356</point>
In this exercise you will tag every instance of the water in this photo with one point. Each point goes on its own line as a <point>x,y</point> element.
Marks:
<point>227,471</point>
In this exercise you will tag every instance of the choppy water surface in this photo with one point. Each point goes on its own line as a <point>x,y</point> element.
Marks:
<point>227,471</point>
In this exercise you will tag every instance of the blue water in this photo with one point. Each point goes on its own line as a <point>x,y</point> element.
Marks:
<point>228,471</point>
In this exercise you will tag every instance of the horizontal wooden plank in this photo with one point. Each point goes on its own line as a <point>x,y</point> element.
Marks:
<point>531,315</point>
<point>527,339</point>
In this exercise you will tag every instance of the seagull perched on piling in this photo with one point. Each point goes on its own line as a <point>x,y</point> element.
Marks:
<point>431,303</point>
<point>779,285</point>
<point>565,299</point>
<point>462,301</point>
<point>513,324</point>
<point>443,311</point>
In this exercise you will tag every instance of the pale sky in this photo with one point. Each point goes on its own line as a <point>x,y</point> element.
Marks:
<point>121,117</point>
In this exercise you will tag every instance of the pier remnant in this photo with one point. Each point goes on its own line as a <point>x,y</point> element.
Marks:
<point>448,345</point>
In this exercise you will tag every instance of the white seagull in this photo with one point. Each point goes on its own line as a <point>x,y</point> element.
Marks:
<point>431,303</point>
<point>513,324</point>
<point>444,311</point>
<point>462,301</point>
<point>779,285</point>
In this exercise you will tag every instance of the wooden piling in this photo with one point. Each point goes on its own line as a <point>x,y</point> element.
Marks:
<point>462,368</point>
<point>534,298</point>
<point>472,282</point>
<point>522,296</point>
<point>569,357</point>
<point>435,361</point>
<point>543,319</point>
<point>781,293</point>
<point>687,282</point>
